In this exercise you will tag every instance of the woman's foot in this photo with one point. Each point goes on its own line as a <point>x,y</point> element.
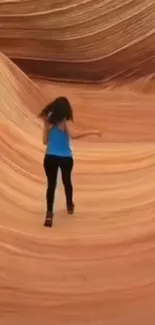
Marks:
<point>70,208</point>
<point>49,219</point>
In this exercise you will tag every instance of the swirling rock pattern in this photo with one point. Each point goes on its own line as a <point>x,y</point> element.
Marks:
<point>97,267</point>
<point>80,40</point>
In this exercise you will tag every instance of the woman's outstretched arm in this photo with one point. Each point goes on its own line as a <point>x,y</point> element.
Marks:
<point>75,134</point>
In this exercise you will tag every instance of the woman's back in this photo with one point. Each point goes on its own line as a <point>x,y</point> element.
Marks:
<point>58,143</point>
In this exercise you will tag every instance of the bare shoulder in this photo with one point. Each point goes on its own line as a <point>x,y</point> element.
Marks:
<point>50,126</point>
<point>61,125</point>
<point>69,128</point>
<point>68,124</point>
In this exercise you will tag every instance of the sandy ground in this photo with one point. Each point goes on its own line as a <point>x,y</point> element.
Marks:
<point>98,266</point>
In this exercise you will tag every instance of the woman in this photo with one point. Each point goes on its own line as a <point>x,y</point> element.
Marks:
<point>57,131</point>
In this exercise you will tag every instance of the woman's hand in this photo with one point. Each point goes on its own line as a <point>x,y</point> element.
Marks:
<point>75,134</point>
<point>98,133</point>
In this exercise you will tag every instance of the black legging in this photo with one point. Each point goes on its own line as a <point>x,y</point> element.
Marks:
<point>51,165</point>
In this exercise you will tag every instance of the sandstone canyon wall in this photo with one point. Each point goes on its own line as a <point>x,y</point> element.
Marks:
<point>98,266</point>
<point>80,40</point>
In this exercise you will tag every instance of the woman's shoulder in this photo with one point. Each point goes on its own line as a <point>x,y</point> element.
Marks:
<point>62,125</point>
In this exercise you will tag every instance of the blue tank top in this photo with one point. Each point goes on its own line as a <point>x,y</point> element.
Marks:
<point>58,143</point>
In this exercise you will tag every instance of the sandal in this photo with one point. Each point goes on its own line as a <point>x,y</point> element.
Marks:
<point>49,219</point>
<point>70,209</point>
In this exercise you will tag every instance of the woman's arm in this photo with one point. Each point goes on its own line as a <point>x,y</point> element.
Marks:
<point>75,134</point>
<point>46,128</point>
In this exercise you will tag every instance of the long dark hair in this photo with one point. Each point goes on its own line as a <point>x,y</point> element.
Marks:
<point>58,110</point>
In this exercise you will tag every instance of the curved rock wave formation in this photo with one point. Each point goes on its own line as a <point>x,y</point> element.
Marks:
<point>96,267</point>
<point>80,40</point>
